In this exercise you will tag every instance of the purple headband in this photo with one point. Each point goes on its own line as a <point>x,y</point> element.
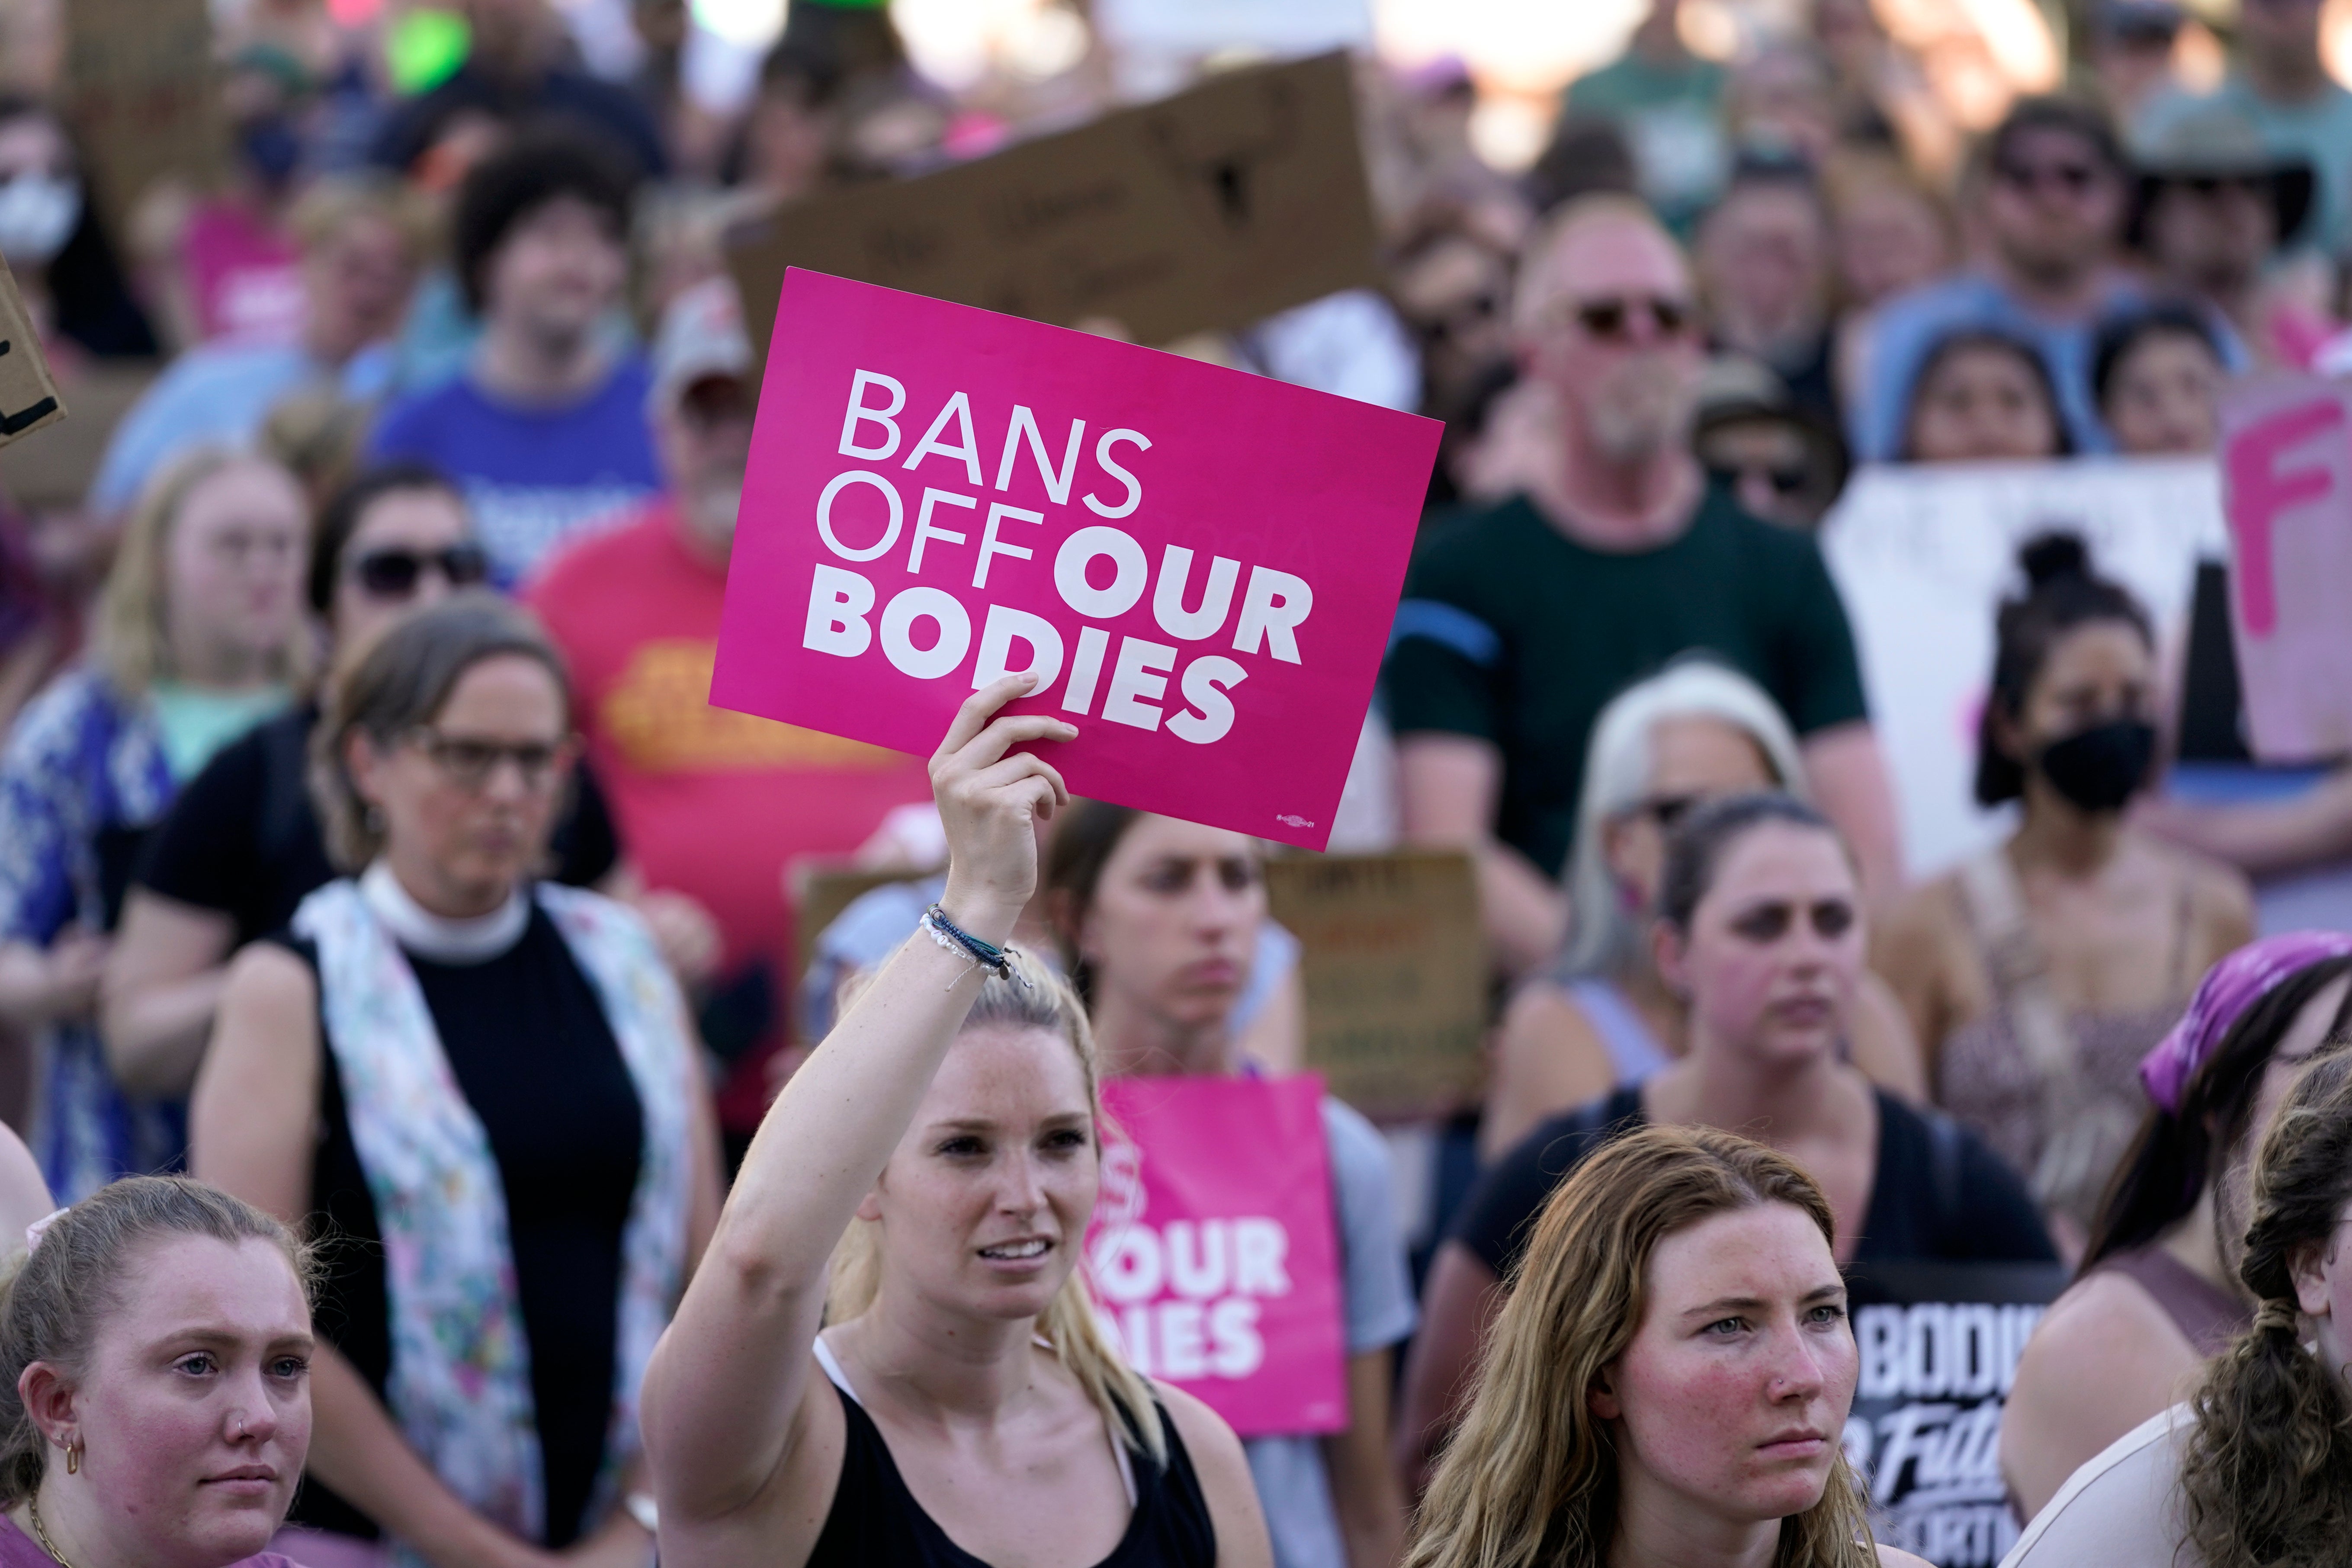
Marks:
<point>2228,988</point>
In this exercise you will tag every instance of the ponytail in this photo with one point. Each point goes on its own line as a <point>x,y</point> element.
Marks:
<point>2266,1478</point>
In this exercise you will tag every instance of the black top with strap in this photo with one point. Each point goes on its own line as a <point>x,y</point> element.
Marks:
<point>876,1522</point>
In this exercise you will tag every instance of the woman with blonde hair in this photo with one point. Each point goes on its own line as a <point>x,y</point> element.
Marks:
<point>1670,1380</point>
<point>960,1401</point>
<point>1601,1017</point>
<point>199,636</point>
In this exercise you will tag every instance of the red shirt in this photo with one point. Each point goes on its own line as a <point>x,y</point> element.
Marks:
<point>711,803</point>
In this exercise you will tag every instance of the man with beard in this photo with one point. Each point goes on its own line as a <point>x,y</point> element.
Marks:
<point>712,804</point>
<point>2050,200</point>
<point>1520,622</point>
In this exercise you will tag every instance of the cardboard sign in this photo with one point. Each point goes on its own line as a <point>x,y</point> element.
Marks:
<point>1200,565</point>
<point>1213,209</point>
<point>1214,1253</point>
<point>142,95</point>
<point>28,395</point>
<point>1923,557</point>
<point>2286,476</point>
<point>1395,970</point>
<point>1940,1344</point>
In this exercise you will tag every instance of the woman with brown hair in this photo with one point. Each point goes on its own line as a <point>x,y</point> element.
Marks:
<point>2255,1470</point>
<point>1670,1380</point>
<point>199,636</point>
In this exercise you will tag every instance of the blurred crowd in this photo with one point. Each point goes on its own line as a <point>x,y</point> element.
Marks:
<point>385,600</point>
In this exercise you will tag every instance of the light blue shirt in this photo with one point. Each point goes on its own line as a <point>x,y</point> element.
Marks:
<point>219,393</point>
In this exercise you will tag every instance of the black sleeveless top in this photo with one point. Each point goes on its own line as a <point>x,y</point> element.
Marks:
<point>876,1522</point>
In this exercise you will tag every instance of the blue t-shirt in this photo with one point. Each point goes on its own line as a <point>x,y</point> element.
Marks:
<point>533,477</point>
<point>1907,329</point>
<point>219,393</point>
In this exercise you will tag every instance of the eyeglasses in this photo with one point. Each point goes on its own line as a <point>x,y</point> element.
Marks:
<point>393,573</point>
<point>1610,320</point>
<point>469,763</point>
<point>2069,179</point>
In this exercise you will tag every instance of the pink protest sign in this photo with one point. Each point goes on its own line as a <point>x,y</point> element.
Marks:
<point>1200,565</point>
<point>2286,488</point>
<point>1212,1250</point>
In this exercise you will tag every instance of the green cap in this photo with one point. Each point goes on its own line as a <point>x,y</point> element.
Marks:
<point>424,48</point>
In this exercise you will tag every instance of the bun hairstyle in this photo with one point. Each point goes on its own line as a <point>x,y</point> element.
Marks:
<point>2267,1476</point>
<point>63,1289</point>
<point>1530,1480</point>
<point>2062,593</point>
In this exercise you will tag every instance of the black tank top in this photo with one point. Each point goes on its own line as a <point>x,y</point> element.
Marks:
<point>876,1522</point>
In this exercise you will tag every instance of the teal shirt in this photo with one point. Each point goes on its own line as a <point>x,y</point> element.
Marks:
<point>2318,130</point>
<point>1671,117</point>
<point>197,721</point>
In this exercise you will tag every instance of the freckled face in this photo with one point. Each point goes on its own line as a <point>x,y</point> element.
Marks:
<point>194,1411</point>
<point>1732,1397</point>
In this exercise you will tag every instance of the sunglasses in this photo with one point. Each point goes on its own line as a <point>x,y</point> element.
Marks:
<point>2069,179</point>
<point>1784,481</point>
<point>469,763</point>
<point>1665,810</point>
<point>1610,321</point>
<point>393,574</point>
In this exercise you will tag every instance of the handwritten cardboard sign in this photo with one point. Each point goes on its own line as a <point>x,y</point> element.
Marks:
<point>1213,209</point>
<point>28,395</point>
<point>2286,478</point>
<point>1199,564</point>
<point>1214,1252</point>
<point>142,94</point>
<point>1395,973</point>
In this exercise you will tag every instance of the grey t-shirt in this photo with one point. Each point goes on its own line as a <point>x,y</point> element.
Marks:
<point>2122,1510</point>
<point>1376,1293</point>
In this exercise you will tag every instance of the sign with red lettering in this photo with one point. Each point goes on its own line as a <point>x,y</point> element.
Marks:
<point>1214,1254</point>
<point>2286,487</point>
<point>1200,565</point>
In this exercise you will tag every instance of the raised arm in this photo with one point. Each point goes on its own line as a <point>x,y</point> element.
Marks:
<point>724,1396</point>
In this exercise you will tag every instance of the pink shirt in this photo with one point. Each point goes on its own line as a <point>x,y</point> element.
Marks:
<point>246,277</point>
<point>18,1550</point>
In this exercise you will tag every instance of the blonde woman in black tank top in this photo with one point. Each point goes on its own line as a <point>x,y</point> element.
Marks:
<point>960,1407</point>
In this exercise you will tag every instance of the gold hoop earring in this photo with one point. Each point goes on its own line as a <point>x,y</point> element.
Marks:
<point>73,1458</point>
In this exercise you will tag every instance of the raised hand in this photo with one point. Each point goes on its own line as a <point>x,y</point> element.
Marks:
<point>991,799</point>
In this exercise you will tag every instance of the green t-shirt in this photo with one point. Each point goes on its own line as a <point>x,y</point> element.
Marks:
<point>1514,633</point>
<point>1672,116</point>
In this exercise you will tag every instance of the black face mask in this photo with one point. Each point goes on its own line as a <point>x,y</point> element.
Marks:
<point>2098,769</point>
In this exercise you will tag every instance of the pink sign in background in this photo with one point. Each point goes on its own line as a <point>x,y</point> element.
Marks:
<point>2286,488</point>
<point>1214,1253</point>
<point>1203,562</point>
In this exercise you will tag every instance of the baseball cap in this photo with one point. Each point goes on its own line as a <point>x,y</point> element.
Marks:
<point>702,337</point>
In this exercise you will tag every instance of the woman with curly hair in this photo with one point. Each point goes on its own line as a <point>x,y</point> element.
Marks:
<point>1669,1381</point>
<point>2255,1470</point>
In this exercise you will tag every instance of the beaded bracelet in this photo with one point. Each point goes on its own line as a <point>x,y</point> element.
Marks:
<point>955,939</point>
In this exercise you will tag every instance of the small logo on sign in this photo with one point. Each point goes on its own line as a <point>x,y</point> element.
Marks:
<point>1291,820</point>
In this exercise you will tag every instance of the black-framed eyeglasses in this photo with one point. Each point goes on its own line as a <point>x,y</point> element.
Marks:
<point>468,762</point>
<point>393,573</point>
